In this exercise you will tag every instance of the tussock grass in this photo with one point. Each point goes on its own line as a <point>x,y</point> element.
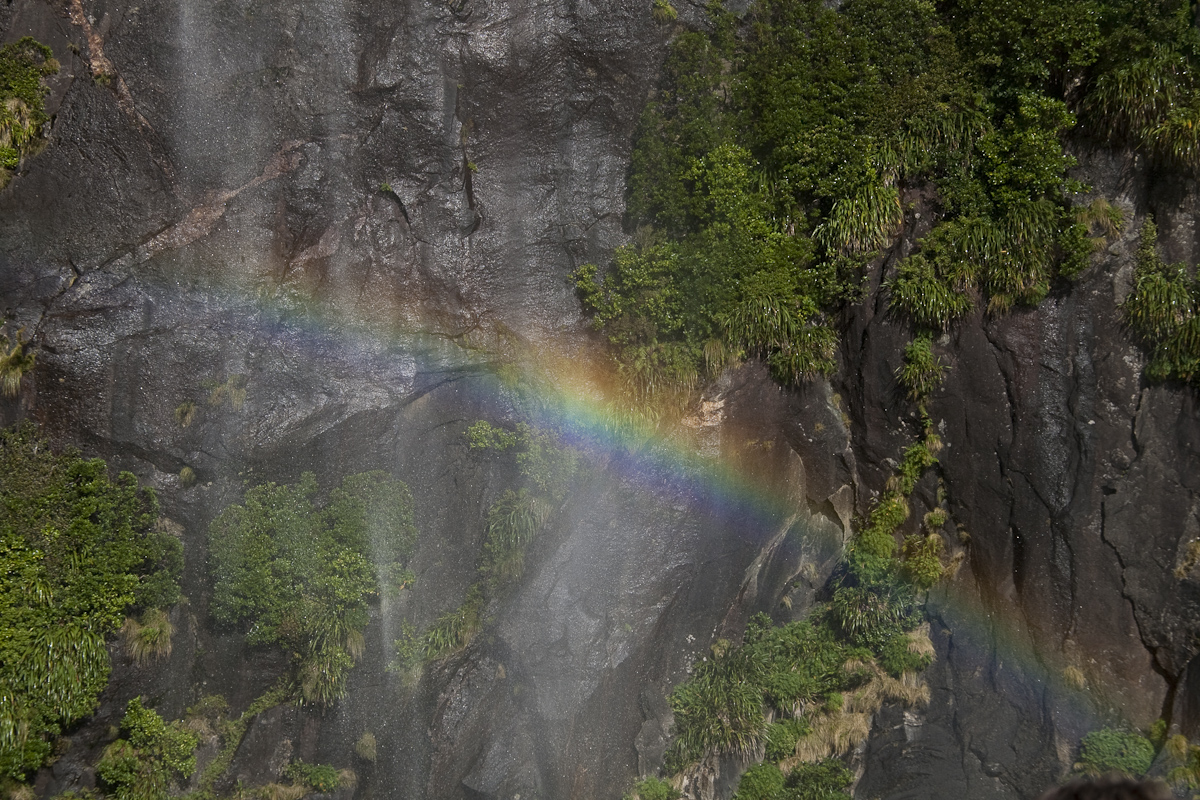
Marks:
<point>149,639</point>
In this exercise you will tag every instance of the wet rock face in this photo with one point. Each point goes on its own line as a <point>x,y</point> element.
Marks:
<point>212,211</point>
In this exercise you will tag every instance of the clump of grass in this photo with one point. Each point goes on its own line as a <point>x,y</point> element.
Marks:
<point>862,222</point>
<point>922,371</point>
<point>149,639</point>
<point>185,413</point>
<point>663,12</point>
<point>1074,677</point>
<point>17,359</point>
<point>283,791</point>
<point>366,747</point>
<point>233,389</point>
<point>652,788</point>
<point>187,476</point>
<point>1191,557</point>
<point>1161,313</point>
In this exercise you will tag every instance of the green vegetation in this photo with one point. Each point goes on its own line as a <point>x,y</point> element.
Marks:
<point>79,550</point>
<point>1113,750</point>
<point>185,413</point>
<point>652,789</point>
<point>23,64</point>
<point>663,12</point>
<point>232,389</point>
<point>1186,757</point>
<point>211,712</point>
<point>1161,313</point>
<point>298,575</point>
<point>547,469</point>
<point>366,747</point>
<point>321,777</point>
<point>17,359</point>
<point>770,167</point>
<point>921,372</point>
<point>150,755</point>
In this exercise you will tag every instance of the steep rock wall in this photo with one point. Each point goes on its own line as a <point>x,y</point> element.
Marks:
<point>212,205</point>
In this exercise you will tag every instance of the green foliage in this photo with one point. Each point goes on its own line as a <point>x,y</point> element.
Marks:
<point>921,372</point>
<point>320,777</point>
<point>897,656</point>
<point>151,754</point>
<point>483,435</point>
<point>782,737</point>
<point>760,782</point>
<point>917,458</point>
<point>366,747</point>
<point>300,576</point>
<point>17,359</point>
<point>231,731</point>
<point>923,559</point>
<point>1161,313</point>
<point>663,12</point>
<point>823,780</point>
<point>721,707</point>
<point>232,389</point>
<point>1110,749</point>
<point>652,788</point>
<point>23,64</point>
<point>78,551</point>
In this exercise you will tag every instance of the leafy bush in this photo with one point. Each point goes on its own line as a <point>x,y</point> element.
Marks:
<point>321,777</point>
<point>1110,749</point>
<point>1161,312</point>
<point>22,108</point>
<point>782,738</point>
<point>300,576</point>
<point>823,780</point>
<point>79,550</point>
<point>652,788</point>
<point>720,708</point>
<point>152,753</point>
<point>760,782</point>
<point>921,372</point>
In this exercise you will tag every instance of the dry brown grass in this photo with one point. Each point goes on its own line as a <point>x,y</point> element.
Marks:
<point>283,791</point>
<point>149,639</point>
<point>1074,677</point>
<point>919,643</point>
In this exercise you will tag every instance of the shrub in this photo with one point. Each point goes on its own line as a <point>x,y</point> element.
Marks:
<point>321,777</point>
<point>760,782</point>
<point>299,576</point>
<point>921,372</point>
<point>824,780</point>
<point>152,753</point>
<point>782,738</point>
<point>652,788</point>
<point>1114,750</point>
<point>900,654</point>
<point>923,559</point>
<point>80,550</point>
<point>23,64</point>
<point>1161,312</point>
<point>663,12</point>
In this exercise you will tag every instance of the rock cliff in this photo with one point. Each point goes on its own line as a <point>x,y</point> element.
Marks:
<point>361,210</point>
